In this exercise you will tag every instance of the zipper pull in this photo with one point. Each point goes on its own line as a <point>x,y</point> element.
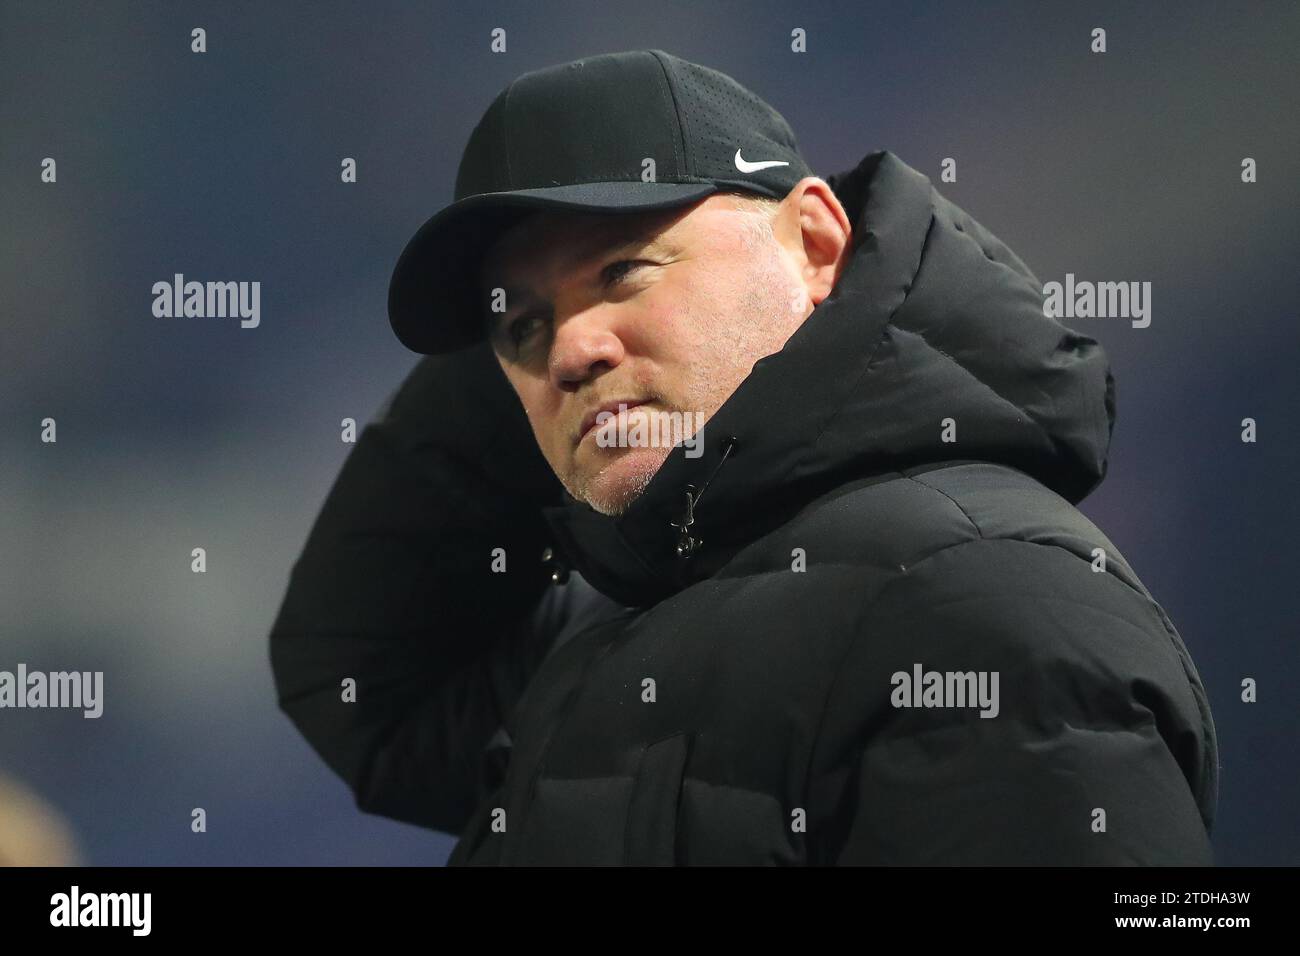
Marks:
<point>686,544</point>
<point>559,570</point>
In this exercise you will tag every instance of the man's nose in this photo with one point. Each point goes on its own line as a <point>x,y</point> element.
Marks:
<point>584,338</point>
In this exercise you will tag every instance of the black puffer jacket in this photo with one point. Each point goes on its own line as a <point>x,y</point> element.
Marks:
<point>891,494</point>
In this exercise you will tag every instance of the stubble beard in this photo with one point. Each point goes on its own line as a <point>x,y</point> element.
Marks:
<point>767,321</point>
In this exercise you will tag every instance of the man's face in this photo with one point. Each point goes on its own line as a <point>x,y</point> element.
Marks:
<point>670,309</point>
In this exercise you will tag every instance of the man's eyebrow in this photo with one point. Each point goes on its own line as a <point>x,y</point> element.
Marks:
<point>643,238</point>
<point>618,237</point>
<point>649,242</point>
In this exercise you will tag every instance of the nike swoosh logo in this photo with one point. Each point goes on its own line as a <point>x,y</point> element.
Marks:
<point>748,167</point>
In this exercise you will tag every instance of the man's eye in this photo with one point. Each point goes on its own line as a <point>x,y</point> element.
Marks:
<point>518,329</point>
<point>617,270</point>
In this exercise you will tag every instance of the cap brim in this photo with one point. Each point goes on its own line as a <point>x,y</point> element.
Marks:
<point>434,304</point>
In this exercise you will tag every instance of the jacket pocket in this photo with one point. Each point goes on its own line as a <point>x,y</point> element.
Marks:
<point>651,836</point>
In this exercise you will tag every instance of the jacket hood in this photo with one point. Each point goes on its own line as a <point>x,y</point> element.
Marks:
<point>932,318</point>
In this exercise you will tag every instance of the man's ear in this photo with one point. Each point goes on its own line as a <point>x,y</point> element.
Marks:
<point>814,227</point>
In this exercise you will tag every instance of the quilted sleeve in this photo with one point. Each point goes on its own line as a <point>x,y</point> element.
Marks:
<point>396,591</point>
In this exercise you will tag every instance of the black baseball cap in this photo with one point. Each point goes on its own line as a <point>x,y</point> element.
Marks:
<point>581,136</point>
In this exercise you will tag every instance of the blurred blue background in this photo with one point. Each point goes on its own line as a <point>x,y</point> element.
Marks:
<point>183,433</point>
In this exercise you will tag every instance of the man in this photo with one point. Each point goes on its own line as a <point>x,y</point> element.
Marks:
<point>706,296</point>
<point>848,614</point>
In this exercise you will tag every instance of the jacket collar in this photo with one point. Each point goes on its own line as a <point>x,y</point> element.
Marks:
<point>840,400</point>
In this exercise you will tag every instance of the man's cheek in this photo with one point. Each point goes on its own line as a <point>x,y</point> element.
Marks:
<point>659,324</point>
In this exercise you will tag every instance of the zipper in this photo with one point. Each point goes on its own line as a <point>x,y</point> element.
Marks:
<point>687,543</point>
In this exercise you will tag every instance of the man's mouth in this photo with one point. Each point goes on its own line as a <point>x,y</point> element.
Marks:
<point>593,420</point>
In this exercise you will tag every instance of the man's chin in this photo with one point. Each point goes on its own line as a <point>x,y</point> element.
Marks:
<point>621,480</point>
